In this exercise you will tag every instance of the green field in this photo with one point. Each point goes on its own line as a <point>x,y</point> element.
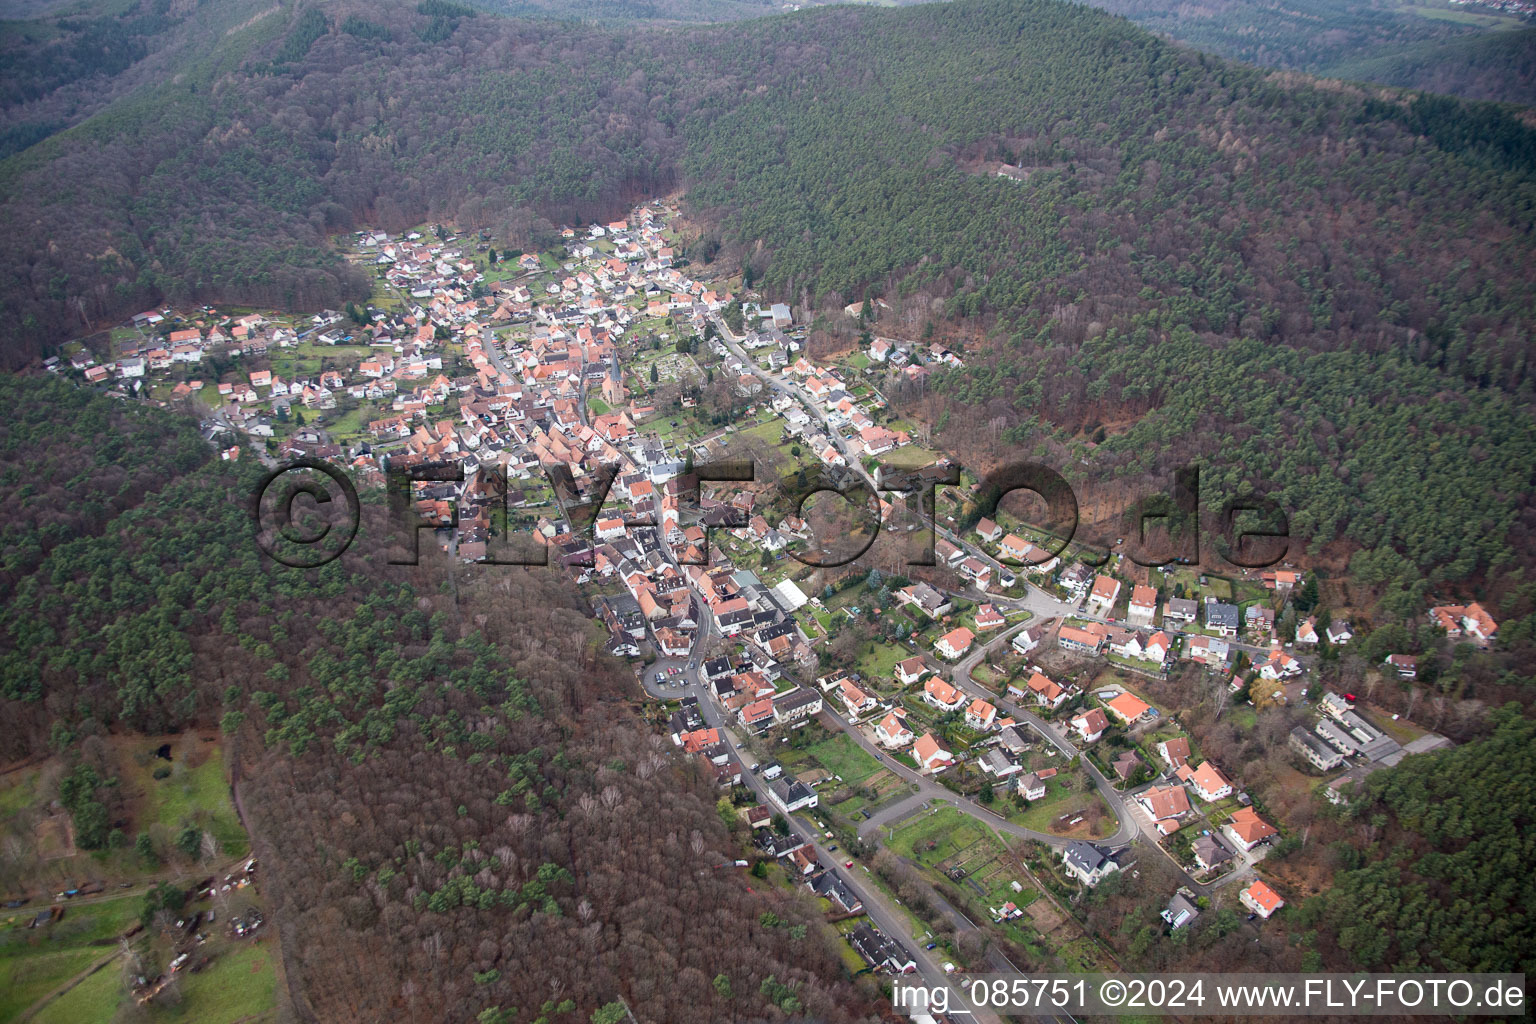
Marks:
<point>840,755</point>
<point>240,984</point>
<point>35,961</point>
<point>26,979</point>
<point>199,796</point>
<point>878,660</point>
<point>94,999</point>
<point>1464,17</point>
<point>18,793</point>
<point>949,830</point>
<point>1059,799</point>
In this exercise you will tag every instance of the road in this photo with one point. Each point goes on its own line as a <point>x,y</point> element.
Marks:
<point>880,908</point>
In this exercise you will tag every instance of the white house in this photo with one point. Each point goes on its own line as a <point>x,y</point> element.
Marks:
<point>892,732</point>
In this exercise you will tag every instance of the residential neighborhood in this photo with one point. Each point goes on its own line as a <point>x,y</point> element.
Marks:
<point>1007,691</point>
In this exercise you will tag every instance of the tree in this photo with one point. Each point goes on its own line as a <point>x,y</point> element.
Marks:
<point>654,375</point>
<point>1306,598</point>
<point>189,840</point>
<point>609,1013</point>
<point>144,846</point>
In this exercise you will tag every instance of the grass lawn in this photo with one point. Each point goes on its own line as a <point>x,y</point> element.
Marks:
<point>93,1000</point>
<point>26,979</point>
<point>240,984</point>
<point>598,407</point>
<point>947,828</point>
<point>198,795</point>
<point>851,959</point>
<point>840,755</point>
<point>878,660</point>
<point>1402,730</point>
<point>18,793</point>
<point>1058,800</point>
<point>1243,717</point>
<point>34,961</point>
<point>351,423</point>
<point>907,457</point>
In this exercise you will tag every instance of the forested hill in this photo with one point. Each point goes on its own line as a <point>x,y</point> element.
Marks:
<point>1306,256</point>
<point>1468,50</point>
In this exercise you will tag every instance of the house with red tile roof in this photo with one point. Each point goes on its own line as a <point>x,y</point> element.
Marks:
<point>1261,899</point>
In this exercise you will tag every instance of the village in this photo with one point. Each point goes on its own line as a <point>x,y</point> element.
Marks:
<point>958,713</point>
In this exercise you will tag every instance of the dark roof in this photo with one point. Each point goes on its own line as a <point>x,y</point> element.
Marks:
<point>830,885</point>
<point>1085,856</point>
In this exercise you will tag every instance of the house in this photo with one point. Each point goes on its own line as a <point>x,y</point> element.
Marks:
<point>1046,691</point>
<point>795,704</point>
<point>987,530</point>
<point>880,952</point>
<point>1180,911</point>
<point>1281,580</point>
<point>1088,863</point>
<point>1209,783</point>
<point>833,889</point>
<point>757,714</point>
<point>892,732</point>
<point>941,695</point>
<point>925,599</point>
<point>1208,651</point>
<point>1158,647</point>
<point>1334,704</point>
<point>790,794</point>
<point>1175,751</point>
<point>1405,665</point>
<point>1180,609</point>
<point>1085,641</point>
<point>988,617</point>
<point>803,861</point>
<point>1221,618</point>
<point>1472,619</point>
<point>854,699</point>
<point>1210,852</point>
<point>1012,739</point>
<point>1165,805</point>
<point>1339,633</point>
<point>1314,751</point>
<point>1090,724</point>
<point>1247,829</point>
<point>955,643</point>
<point>911,670</point>
<point>980,715</point>
<point>1032,787</point>
<point>1260,620</point>
<point>1017,549</point>
<point>1128,707</point>
<point>996,761</point>
<point>1306,631</point>
<point>1337,738</point>
<point>1126,643</point>
<point>1106,590</point>
<point>1143,605</point>
<point>1026,640</point>
<point>1261,899</point>
<point>1279,665</point>
<point>929,755</point>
